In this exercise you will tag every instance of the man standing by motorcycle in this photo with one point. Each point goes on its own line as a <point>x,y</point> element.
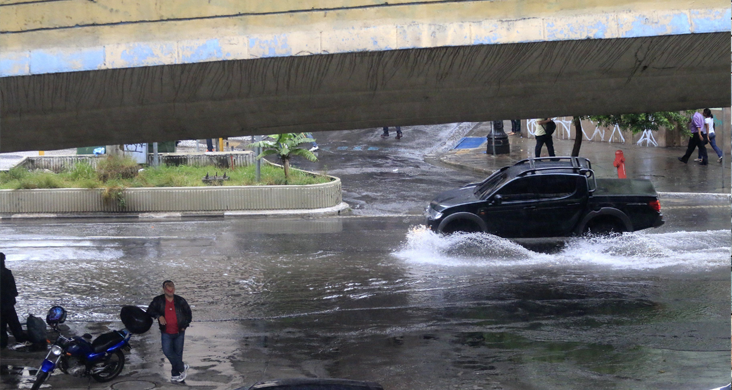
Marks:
<point>174,316</point>
<point>8,315</point>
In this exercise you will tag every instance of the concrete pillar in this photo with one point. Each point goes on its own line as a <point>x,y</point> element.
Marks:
<point>114,150</point>
<point>726,135</point>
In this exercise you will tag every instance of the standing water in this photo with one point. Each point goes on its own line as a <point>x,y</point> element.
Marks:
<point>380,299</point>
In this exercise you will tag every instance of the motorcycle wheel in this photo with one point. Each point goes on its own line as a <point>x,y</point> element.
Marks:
<point>40,378</point>
<point>112,368</point>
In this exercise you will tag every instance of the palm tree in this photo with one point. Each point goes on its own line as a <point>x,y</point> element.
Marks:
<point>285,146</point>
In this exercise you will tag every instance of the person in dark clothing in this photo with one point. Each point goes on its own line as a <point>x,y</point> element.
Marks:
<point>543,138</point>
<point>515,126</point>
<point>209,145</point>
<point>8,316</point>
<point>386,132</point>
<point>696,126</point>
<point>174,316</point>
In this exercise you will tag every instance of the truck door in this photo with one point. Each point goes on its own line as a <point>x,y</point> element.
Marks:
<point>507,211</point>
<point>561,200</point>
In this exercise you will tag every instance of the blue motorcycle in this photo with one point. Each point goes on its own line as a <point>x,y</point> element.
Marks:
<point>101,359</point>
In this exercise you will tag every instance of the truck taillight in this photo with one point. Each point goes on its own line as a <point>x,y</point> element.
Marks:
<point>655,205</point>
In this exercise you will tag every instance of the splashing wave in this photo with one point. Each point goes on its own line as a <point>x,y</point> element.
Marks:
<point>639,250</point>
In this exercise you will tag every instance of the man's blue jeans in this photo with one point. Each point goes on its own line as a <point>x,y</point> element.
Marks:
<point>173,350</point>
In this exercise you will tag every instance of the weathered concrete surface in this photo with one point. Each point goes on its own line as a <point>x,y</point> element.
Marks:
<point>88,73</point>
<point>361,90</point>
<point>54,37</point>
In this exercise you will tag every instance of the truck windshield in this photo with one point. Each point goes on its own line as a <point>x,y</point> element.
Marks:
<point>490,184</point>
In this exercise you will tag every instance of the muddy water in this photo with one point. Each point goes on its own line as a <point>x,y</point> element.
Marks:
<point>384,300</point>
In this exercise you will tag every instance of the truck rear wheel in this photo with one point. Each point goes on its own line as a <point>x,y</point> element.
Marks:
<point>604,226</point>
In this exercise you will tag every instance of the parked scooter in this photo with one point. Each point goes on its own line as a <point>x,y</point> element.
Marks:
<point>101,359</point>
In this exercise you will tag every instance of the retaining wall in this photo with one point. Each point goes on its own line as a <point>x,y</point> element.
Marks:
<point>171,199</point>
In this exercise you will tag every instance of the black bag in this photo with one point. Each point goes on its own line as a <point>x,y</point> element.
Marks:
<point>136,320</point>
<point>36,329</point>
<point>550,127</point>
<point>705,139</point>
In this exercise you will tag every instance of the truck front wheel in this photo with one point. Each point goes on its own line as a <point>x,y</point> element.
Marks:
<point>461,226</point>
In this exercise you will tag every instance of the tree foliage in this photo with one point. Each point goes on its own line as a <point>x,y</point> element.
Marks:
<point>637,123</point>
<point>285,146</point>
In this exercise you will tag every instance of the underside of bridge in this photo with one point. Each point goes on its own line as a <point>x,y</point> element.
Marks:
<point>364,89</point>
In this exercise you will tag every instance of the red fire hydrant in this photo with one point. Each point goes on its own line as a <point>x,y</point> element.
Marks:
<point>620,164</point>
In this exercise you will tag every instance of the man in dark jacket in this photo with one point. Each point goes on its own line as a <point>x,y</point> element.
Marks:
<point>8,316</point>
<point>174,316</point>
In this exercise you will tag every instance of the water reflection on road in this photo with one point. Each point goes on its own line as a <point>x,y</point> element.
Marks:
<point>385,300</point>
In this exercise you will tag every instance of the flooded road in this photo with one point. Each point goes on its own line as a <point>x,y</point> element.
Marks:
<point>379,298</point>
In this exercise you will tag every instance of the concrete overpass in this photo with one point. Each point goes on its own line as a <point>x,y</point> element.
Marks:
<point>78,73</point>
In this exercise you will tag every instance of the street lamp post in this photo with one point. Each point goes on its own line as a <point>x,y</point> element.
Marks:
<point>497,140</point>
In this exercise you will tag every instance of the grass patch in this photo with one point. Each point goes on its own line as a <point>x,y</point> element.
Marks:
<point>120,174</point>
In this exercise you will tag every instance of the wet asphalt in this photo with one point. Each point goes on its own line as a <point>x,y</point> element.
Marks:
<point>373,296</point>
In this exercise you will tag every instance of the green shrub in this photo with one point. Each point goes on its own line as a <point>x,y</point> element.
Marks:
<point>16,173</point>
<point>82,170</point>
<point>88,183</point>
<point>83,176</point>
<point>114,194</point>
<point>114,167</point>
<point>39,180</point>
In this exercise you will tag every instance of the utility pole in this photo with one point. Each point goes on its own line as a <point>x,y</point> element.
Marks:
<point>156,158</point>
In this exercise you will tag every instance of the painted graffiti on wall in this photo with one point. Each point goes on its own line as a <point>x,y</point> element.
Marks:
<point>137,152</point>
<point>599,134</point>
<point>648,138</point>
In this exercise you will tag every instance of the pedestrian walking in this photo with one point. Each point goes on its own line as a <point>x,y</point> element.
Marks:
<point>174,316</point>
<point>696,140</point>
<point>515,126</point>
<point>544,136</point>
<point>209,145</point>
<point>386,132</point>
<point>709,126</point>
<point>8,316</point>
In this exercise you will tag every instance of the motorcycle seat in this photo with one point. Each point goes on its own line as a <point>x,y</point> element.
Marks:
<point>106,341</point>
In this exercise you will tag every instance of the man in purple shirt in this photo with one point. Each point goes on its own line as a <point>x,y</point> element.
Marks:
<point>696,140</point>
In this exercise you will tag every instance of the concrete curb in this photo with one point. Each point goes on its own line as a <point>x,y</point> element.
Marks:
<point>342,209</point>
<point>468,167</point>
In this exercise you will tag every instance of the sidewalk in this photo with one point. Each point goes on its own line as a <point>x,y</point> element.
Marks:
<point>659,165</point>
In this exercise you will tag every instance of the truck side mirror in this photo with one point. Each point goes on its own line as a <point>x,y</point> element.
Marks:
<point>497,199</point>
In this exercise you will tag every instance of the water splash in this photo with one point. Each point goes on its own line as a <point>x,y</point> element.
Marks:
<point>639,250</point>
<point>465,249</point>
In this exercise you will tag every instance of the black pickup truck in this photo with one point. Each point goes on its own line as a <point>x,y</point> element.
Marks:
<point>547,197</point>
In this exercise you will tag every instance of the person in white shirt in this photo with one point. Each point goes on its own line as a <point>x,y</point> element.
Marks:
<point>709,127</point>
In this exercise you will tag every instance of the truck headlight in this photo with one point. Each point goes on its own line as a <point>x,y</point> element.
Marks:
<point>434,214</point>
